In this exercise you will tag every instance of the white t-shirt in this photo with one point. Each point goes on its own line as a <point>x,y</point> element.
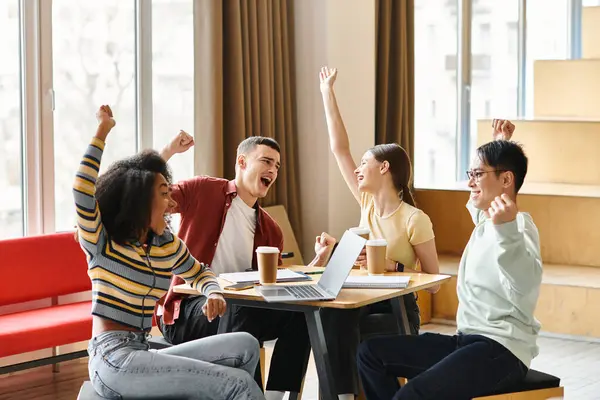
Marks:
<point>236,243</point>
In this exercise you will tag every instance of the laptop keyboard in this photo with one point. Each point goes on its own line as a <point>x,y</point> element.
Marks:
<point>304,291</point>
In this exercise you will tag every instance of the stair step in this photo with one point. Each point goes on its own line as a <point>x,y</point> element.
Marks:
<point>554,274</point>
<point>590,32</point>
<point>551,155</point>
<point>568,225</point>
<point>566,88</point>
<point>569,299</point>
<point>532,188</point>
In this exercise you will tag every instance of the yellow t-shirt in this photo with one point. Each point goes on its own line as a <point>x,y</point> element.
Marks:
<point>406,227</point>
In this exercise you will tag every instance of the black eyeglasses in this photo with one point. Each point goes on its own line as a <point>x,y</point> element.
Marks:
<point>472,174</point>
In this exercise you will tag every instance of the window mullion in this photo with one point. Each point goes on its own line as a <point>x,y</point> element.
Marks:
<point>463,73</point>
<point>32,100</point>
<point>47,116</point>
<point>143,61</point>
<point>522,60</point>
<point>574,28</point>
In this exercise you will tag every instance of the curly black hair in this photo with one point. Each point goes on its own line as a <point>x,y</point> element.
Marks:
<point>125,193</point>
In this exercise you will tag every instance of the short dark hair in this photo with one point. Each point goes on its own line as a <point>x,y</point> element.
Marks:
<point>504,155</point>
<point>250,143</point>
<point>125,193</point>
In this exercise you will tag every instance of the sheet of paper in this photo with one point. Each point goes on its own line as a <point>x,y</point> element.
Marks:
<point>253,276</point>
<point>390,281</point>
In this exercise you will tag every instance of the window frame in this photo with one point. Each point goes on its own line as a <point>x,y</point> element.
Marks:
<point>37,104</point>
<point>464,72</point>
<point>37,95</point>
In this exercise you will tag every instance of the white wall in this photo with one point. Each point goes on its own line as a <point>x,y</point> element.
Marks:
<point>341,34</point>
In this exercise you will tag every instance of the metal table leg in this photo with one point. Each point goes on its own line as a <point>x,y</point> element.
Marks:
<point>399,310</point>
<point>319,347</point>
<point>225,324</point>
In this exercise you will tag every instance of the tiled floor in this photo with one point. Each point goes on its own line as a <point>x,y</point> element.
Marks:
<point>576,363</point>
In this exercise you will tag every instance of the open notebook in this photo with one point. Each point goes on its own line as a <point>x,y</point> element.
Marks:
<point>377,282</point>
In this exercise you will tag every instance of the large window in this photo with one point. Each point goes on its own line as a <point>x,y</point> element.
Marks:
<point>78,55</point>
<point>173,77</point>
<point>93,46</point>
<point>435,91</point>
<point>464,75</point>
<point>173,81</point>
<point>494,61</point>
<point>61,59</point>
<point>547,38</point>
<point>11,154</point>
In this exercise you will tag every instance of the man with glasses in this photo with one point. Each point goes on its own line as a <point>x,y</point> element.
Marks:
<point>499,279</point>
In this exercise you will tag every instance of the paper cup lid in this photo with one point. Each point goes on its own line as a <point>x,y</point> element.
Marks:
<point>267,250</point>
<point>360,230</point>
<point>377,242</point>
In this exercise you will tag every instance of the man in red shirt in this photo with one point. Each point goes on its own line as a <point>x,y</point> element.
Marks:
<point>222,225</point>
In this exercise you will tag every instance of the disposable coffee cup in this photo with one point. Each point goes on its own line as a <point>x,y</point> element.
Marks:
<point>360,231</point>
<point>376,252</point>
<point>267,258</point>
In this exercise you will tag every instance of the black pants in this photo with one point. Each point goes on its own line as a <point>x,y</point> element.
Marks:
<point>437,367</point>
<point>345,329</point>
<point>292,348</point>
<point>192,324</point>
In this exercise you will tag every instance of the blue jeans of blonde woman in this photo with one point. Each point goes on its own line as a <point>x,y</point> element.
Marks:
<point>218,367</point>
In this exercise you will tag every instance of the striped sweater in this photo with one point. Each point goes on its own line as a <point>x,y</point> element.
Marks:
<point>127,281</point>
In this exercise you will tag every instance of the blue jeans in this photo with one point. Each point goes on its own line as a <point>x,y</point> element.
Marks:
<point>437,367</point>
<point>218,367</point>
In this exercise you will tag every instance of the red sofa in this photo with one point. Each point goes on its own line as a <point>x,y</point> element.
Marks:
<point>43,267</point>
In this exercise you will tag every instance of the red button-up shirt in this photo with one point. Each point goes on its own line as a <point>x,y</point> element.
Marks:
<point>203,203</point>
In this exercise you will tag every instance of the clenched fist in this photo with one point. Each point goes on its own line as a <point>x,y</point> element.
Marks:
<point>502,210</point>
<point>106,122</point>
<point>215,306</point>
<point>502,129</point>
<point>181,143</point>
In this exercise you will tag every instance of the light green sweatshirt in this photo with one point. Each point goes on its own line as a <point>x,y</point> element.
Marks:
<point>499,280</point>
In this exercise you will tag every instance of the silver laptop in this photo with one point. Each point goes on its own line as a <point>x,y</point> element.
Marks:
<point>329,286</point>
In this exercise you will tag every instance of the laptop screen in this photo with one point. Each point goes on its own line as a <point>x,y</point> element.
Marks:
<point>341,262</point>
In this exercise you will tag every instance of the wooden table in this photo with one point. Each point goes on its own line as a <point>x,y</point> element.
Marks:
<point>347,299</point>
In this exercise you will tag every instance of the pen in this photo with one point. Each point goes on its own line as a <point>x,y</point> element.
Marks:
<point>313,272</point>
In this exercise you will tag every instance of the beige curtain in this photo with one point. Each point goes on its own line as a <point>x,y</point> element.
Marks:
<point>395,87</point>
<point>246,63</point>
